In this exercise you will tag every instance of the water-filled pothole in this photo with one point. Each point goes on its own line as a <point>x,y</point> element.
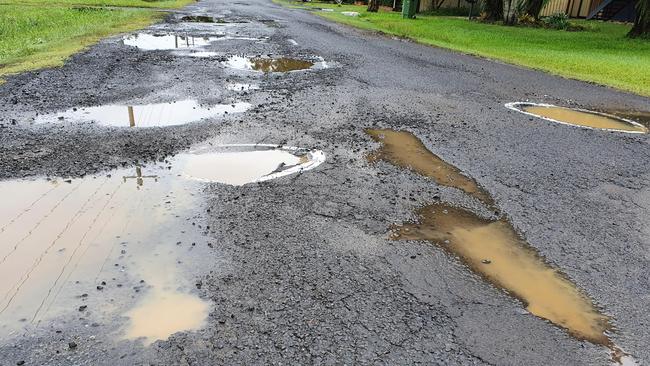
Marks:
<point>268,65</point>
<point>148,41</point>
<point>403,149</point>
<point>148,115</point>
<point>492,248</point>
<point>241,164</point>
<point>74,245</point>
<point>578,117</point>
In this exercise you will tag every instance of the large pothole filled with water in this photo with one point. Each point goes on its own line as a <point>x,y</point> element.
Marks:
<point>578,117</point>
<point>492,248</point>
<point>273,64</point>
<point>167,41</point>
<point>128,243</point>
<point>147,115</point>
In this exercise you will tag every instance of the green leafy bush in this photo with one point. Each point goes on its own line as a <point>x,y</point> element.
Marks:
<point>557,21</point>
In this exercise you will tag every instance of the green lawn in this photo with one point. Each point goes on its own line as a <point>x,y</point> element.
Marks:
<point>599,54</point>
<point>37,36</point>
<point>128,3</point>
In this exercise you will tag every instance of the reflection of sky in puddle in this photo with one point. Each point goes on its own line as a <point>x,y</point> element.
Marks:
<point>146,41</point>
<point>248,164</point>
<point>62,238</point>
<point>150,115</point>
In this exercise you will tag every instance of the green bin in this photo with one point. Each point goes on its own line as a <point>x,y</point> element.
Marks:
<point>409,8</point>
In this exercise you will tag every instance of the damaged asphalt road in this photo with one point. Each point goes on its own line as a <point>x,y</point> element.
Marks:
<point>300,269</point>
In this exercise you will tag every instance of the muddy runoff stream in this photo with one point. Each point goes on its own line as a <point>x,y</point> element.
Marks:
<point>120,251</point>
<point>492,248</point>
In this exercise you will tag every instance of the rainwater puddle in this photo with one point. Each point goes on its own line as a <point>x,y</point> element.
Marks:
<point>148,42</point>
<point>241,164</point>
<point>268,65</point>
<point>578,117</point>
<point>494,250</point>
<point>405,150</point>
<point>120,245</point>
<point>149,115</point>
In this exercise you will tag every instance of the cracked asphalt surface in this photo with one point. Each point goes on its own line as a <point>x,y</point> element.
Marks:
<point>306,273</point>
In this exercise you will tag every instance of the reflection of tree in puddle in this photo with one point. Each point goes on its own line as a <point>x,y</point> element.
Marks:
<point>280,64</point>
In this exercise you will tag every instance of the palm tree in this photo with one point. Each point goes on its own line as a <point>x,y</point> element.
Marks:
<point>373,6</point>
<point>641,26</point>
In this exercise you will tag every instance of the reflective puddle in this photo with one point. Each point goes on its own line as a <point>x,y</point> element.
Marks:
<point>495,251</point>
<point>120,244</point>
<point>149,115</point>
<point>241,164</point>
<point>268,65</point>
<point>403,149</point>
<point>578,117</point>
<point>636,116</point>
<point>147,41</point>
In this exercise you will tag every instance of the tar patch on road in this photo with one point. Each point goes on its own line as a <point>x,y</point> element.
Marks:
<point>148,115</point>
<point>579,117</point>
<point>403,149</point>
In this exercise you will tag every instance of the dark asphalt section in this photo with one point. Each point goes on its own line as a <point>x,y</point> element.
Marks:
<point>311,277</point>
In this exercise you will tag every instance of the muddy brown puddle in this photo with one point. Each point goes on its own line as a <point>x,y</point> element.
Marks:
<point>403,149</point>
<point>120,244</point>
<point>149,115</point>
<point>492,248</point>
<point>578,117</point>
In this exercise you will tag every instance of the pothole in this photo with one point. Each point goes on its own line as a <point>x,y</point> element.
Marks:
<point>242,164</point>
<point>495,251</point>
<point>269,64</point>
<point>493,248</point>
<point>148,115</point>
<point>72,246</point>
<point>199,19</point>
<point>578,117</point>
<point>168,41</point>
<point>403,149</point>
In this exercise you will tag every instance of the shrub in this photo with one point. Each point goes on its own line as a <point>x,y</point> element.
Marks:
<point>557,21</point>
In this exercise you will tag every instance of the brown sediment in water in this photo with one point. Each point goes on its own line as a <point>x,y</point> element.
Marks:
<point>636,116</point>
<point>405,150</point>
<point>494,250</point>
<point>583,118</point>
<point>282,64</point>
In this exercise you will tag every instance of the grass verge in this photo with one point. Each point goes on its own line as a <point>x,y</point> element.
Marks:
<point>599,54</point>
<point>163,4</point>
<point>34,36</point>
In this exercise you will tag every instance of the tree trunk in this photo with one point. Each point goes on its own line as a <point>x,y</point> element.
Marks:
<point>373,6</point>
<point>494,10</point>
<point>641,26</point>
<point>510,16</point>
